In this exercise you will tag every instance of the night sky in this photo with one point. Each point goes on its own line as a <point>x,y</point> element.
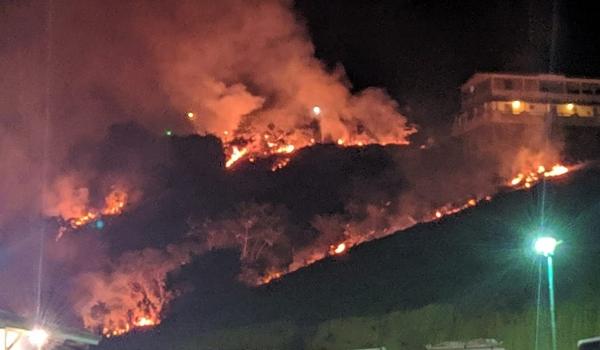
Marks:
<point>422,51</point>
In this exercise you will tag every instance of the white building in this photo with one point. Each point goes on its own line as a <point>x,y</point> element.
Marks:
<point>502,98</point>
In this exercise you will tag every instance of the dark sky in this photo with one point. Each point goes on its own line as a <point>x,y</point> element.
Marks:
<point>421,51</point>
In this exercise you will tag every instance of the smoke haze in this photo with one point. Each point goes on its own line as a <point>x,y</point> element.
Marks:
<point>88,89</point>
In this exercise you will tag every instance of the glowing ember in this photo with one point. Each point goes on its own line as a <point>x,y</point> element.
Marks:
<point>280,164</point>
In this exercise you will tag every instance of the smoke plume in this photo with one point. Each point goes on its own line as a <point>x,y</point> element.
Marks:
<point>91,89</point>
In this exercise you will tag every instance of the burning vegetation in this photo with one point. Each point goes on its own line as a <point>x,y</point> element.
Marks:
<point>270,103</point>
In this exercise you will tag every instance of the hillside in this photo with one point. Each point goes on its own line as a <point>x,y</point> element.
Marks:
<point>468,275</point>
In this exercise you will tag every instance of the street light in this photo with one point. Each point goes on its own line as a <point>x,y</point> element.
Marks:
<point>545,246</point>
<point>38,337</point>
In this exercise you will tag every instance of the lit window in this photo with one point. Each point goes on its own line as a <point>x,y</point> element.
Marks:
<point>517,107</point>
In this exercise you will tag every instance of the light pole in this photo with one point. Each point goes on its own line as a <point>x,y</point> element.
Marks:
<point>545,246</point>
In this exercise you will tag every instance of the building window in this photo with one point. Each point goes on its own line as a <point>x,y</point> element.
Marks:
<point>506,84</point>
<point>531,85</point>
<point>573,88</point>
<point>485,87</point>
<point>552,87</point>
<point>587,89</point>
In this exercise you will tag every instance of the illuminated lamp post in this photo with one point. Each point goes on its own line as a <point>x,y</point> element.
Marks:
<point>545,246</point>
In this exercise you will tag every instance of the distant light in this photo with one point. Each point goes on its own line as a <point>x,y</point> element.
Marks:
<point>99,224</point>
<point>340,142</point>
<point>38,337</point>
<point>570,106</point>
<point>516,104</point>
<point>316,110</point>
<point>168,132</point>
<point>545,245</point>
<point>190,115</point>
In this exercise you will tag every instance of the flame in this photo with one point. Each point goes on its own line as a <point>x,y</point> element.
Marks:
<point>527,179</point>
<point>139,322</point>
<point>145,321</point>
<point>270,276</point>
<point>250,145</point>
<point>557,170</point>
<point>236,154</point>
<point>355,235</point>
<point>83,220</point>
<point>340,248</point>
<point>114,204</point>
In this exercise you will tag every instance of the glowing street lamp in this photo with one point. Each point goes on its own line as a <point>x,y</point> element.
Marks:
<point>316,110</point>
<point>38,337</point>
<point>545,246</point>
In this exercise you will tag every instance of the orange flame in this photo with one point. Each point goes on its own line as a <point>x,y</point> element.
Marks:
<point>527,178</point>
<point>139,322</point>
<point>236,154</point>
<point>114,204</point>
<point>340,248</point>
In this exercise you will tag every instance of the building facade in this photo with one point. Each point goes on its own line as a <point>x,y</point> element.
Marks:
<point>502,98</point>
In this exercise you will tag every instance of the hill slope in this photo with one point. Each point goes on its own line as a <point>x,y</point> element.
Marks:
<point>446,276</point>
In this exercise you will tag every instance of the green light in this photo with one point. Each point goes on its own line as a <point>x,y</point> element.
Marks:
<point>545,245</point>
<point>168,132</point>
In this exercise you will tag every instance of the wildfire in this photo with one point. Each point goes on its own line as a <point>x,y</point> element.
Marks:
<point>251,144</point>
<point>527,179</point>
<point>145,321</point>
<point>114,204</point>
<point>139,322</point>
<point>270,276</point>
<point>236,154</point>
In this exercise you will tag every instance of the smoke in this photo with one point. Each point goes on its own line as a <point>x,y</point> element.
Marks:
<point>91,86</point>
<point>130,291</point>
